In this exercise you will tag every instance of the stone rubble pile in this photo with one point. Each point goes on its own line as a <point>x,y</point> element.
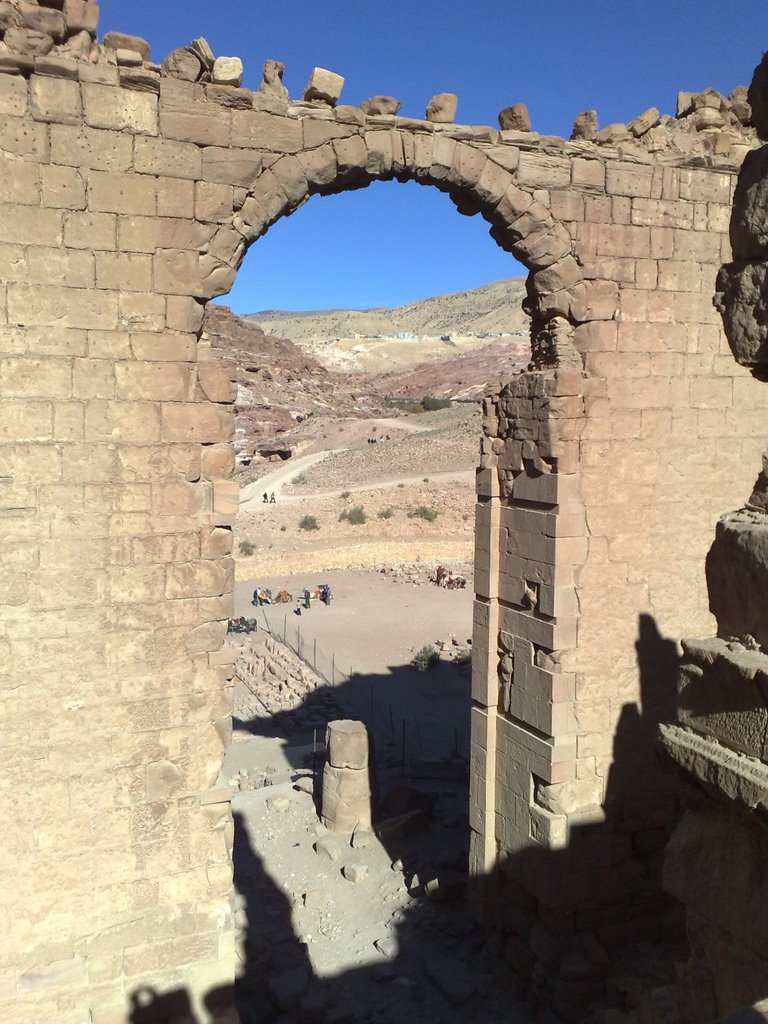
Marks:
<point>279,682</point>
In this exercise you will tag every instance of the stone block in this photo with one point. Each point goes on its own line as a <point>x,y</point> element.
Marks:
<point>89,147</point>
<point>227,71</point>
<point>325,86</point>
<point>347,744</point>
<point>123,41</point>
<point>442,108</point>
<point>81,16</point>
<point>346,799</point>
<point>120,109</point>
<point>55,100</point>
<point>27,42</point>
<point>165,157</point>
<point>256,129</point>
<point>63,188</point>
<point>121,193</point>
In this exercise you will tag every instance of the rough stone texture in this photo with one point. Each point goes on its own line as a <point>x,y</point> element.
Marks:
<point>228,71</point>
<point>715,862</point>
<point>380,105</point>
<point>325,86</point>
<point>442,108</point>
<point>601,471</point>
<point>515,118</point>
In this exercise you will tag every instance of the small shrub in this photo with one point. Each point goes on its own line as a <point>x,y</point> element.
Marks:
<point>246,548</point>
<point>401,485</point>
<point>308,523</point>
<point>463,656</point>
<point>425,659</point>
<point>385,513</point>
<point>300,478</point>
<point>430,404</point>
<point>424,512</point>
<point>344,495</point>
<point>283,529</point>
<point>355,515</point>
<point>425,480</point>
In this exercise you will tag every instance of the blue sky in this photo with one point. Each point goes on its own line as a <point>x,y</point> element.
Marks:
<point>394,243</point>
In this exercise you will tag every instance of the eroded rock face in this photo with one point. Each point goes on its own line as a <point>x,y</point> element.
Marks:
<point>757,97</point>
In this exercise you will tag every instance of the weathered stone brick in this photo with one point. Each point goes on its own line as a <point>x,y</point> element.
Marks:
<point>162,382</point>
<point>189,422</point>
<point>62,306</point>
<point>96,231</point>
<point>256,129</point>
<point>141,311</point>
<point>13,95</point>
<point>55,99</point>
<point>19,180</point>
<point>120,109</point>
<point>135,422</point>
<point>63,188</point>
<point>121,193</point>
<point>124,271</point>
<point>175,198</point>
<point>89,147</point>
<point>213,201</point>
<point>628,179</point>
<point>30,225</point>
<point>168,158</point>
<point>73,268</point>
<point>19,137</point>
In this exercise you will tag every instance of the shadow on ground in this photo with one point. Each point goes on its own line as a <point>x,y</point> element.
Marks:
<point>441,966</point>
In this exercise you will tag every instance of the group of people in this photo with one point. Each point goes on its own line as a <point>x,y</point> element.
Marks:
<point>269,499</point>
<point>376,440</point>
<point>262,595</point>
<point>322,593</point>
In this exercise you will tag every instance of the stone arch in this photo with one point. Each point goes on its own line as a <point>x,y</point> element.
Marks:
<point>521,222</point>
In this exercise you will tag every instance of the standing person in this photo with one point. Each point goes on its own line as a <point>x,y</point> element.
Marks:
<point>265,498</point>
<point>272,499</point>
<point>327,595</point>
<point>306,598</point>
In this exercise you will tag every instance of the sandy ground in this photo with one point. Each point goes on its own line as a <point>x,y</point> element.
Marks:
<point>381,949</point>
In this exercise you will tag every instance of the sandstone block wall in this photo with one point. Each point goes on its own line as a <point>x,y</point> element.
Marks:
<point>129,194</point>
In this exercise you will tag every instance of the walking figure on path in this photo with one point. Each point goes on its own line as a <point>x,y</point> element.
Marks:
<point>265,498</point>
<point>272,499</point>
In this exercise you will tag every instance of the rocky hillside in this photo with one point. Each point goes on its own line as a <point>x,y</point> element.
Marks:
<point>495,308</point>
<point>286,384</point>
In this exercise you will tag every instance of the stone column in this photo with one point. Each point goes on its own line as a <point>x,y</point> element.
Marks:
<point>346,778</point>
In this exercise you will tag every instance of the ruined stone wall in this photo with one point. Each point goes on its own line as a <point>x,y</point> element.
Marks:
<point>715,862</point>
<point>130,192</point>
<point>597,500</point>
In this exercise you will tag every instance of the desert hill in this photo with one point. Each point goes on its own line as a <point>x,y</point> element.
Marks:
<point>495,308</point>
<point>293,383</point>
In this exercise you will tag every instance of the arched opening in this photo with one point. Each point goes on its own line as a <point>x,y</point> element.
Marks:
<point>420,732</point>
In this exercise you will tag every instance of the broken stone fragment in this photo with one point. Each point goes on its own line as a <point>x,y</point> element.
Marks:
<point>123,41</point>
<point>330,847</point>
<point>272,81</point>
<point>644,122</point>
<point>355,871</point>
<point>442,108</point>
<point>325,86</point>
<point>380,105</point>
<point>81,16</point>
<point>585,126</point>
<point>203,51</point>
<point>28,42</point>
<point>346,799</point>
<point>182,63</point>
<point>515,118</point>
<point>128,58</point>
<point>613,133</point>
<point>228,71</point>
<point>740,105</point>
<point>8,15</point>
<point>388,947</point>
<point>43,19</point>
<point>316,899</point>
